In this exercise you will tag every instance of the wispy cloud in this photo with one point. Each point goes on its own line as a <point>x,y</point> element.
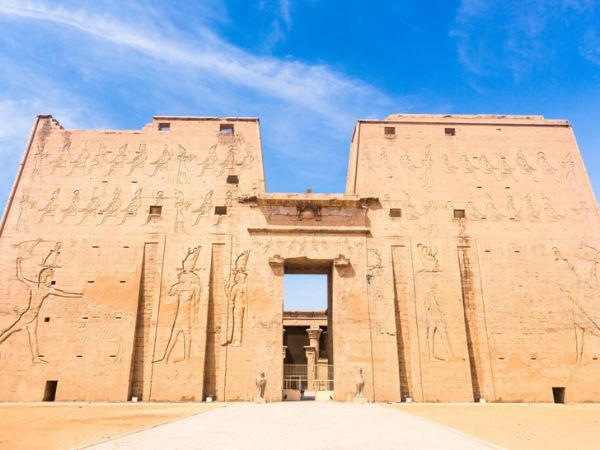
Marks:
<point>497,37</point>
<point>315,87</point>
<point>135,59</point>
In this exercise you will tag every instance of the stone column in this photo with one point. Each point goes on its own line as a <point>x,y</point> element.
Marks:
<point>311,369</point>
<point>314,334</point>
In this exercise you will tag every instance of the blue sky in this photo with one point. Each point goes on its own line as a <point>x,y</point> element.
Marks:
<point>307,68</point>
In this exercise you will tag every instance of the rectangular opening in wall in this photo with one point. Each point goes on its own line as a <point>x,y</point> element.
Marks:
<point>233,179</point>
<point>450,131</point>
<point>389,131</point>
<point>46,319</point>
<point>155,210</point>
<point>459,213</point>
<point>50,390</point>
<point>220,210</point>
<point>164,126</point>
<point>226,128</point>
<point>559,394</point>
<point>307,332</point>
<point>305,292</point>
<point>395,212</point>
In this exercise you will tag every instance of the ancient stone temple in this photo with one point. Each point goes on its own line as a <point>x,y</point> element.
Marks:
<point>149,264</point>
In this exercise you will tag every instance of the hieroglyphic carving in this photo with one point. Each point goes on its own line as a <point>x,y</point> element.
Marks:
<point>513,212</point>
<point>544,166</point>
<point>235,291</point>
<point>486,166</point>
<point>112,209</point>
<point>426,166</point>
<point>467,167</point>
<point>592,255</point>
<point>133,206</point>
<point>139,160</point>
<point>162,162</point>
<point>61,159</point>
<point>568,172</point>
<point>246,161</point>
<point>448,166</point>
<point>181,206</point>
<point>409,210</point>
<point>118,161</point>
<point>436,328</point>
<point>492,210</point>
<point>429,260</point>
<point>39,290</point>
<point>229,161</point>
<point>80,160</point>
<point>182,170</point>
<point>405,161</point>
<point>524,167</point>
<point>430,212</point>
<point>531,212</point>
<point>506,170</point>
<point>91,208</point>
<point>209,161</point>
<point>72,209</point>
<point>204,208</point>
<point>187,291</point>
<point>38,160</point>
<point>570,285</point>
<point>25,205</point>
<point>549,210</point>
<point>50,208</point>
<point>472,212</point>
<point>98,159</point>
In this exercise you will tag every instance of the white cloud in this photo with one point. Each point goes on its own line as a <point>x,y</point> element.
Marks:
<point>499,36</point>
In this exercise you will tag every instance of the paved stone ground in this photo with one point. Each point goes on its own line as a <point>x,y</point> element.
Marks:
<point>299,425</point>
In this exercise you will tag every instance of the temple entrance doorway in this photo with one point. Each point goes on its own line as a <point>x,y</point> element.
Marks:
<point>307,331</point>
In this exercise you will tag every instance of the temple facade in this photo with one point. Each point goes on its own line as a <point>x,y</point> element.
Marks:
<point>149,264</point>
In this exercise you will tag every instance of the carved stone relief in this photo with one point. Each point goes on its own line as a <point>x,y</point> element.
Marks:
<point>428,256</point>
<point>438,343</point>
<point>571,287</point>
<point>98,159</point>
<point>132,207</point>
<point>118,160</point>
<point>91,208</point>
<point>204,208</point>
<point>50,208</point>
<point>25,206</point>
<point>186,291</point>
<point>39,289</point>
<point>235,291</point>
<point>182,170</point>
<point>72,209</point>
<point>112,209</point>
<point>61,159</point>
<point>524,167</point>
<point>162,162</point>
<point>38,161</point>
<point>209,161</point>
<point>139,160</point>
<point>80,160</point>
<point>181,206</point>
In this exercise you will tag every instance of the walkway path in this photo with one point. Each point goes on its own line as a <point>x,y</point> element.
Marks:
<point>299,425</point>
